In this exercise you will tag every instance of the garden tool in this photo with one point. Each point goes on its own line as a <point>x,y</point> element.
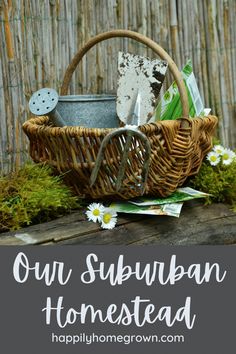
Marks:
<point>141,148</point>
<point>135,115</point>
<point>126,135</point>
<point>140,79</point>
<point>138,74</point>
<point>43,102</point>
<point>91,111</point>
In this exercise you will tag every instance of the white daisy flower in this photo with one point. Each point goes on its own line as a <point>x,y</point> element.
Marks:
<point>213,158</point>
<point>95,212</point>
<point>228,156</point>
<point>219,149</point>
<point>109,219</point>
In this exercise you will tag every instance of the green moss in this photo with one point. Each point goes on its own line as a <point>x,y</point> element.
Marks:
<point>219,181</point>
<point>32,195</point>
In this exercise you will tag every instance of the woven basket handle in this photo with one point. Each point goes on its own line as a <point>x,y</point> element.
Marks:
<point>140,38</point>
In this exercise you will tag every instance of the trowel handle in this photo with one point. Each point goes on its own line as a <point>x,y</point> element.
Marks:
<point>140,38</point>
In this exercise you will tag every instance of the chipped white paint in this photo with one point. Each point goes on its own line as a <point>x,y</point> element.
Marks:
<point>138,75</point>
<point>27,238</point>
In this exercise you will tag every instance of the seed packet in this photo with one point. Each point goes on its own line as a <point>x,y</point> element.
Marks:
<point>170,106</point>
<point>180,195</point>
<point>170,206</point>
<point>170,209</point>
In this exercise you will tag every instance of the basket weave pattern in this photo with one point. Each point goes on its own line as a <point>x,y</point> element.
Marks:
<point>175,148</point>
<point>176,153</point>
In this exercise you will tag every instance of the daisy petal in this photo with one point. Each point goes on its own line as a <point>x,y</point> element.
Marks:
<point>95,212</point>
<point>109,219</point>
<point>213,158</point>
<point>227,156</point>
<point>218,149</point>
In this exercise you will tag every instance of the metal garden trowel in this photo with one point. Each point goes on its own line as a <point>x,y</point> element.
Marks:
<point>139,83</point>
<point>139,78</point>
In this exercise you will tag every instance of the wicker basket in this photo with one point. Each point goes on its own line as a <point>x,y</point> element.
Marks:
<point>99,163</point>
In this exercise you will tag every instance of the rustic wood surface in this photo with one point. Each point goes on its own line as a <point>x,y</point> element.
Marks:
<point>38,39</point>
<point>197,225</point>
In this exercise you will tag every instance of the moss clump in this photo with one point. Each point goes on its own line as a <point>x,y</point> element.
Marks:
<point>219,181</point>
<point>32,195</point>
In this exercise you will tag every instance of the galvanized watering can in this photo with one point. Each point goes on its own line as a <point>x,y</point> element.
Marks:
<point>92,111</point>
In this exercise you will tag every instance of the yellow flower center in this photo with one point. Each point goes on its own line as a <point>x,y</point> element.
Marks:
<point>225,156</point>
<point>107,218</point>
<point>96,212</point>
<point>213,158</point>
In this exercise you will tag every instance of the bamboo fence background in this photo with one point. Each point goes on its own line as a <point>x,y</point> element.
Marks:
<point>38,38</point>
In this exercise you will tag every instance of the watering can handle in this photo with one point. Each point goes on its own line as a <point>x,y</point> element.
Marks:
<point>140,38</point>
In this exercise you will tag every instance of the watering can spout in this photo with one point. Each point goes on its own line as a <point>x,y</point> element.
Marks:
<point>43,102</point>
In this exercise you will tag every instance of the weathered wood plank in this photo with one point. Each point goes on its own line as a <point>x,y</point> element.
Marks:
<point>220,231</point>
<point>215,224</point>
<point>163,230</point>
<point>70,226</point>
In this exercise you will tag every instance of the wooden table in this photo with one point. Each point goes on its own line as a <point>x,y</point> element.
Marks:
<point>197,225</point>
